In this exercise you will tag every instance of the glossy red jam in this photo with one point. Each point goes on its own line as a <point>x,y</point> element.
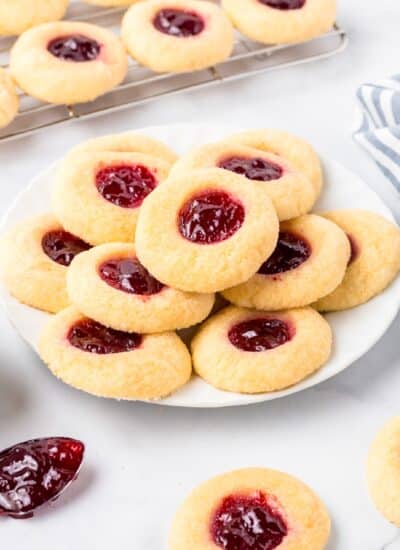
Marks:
<point>253,168</point>
<point>284,4</point>
<point>36,472</point>
<point>62,247</point>
<point>210,217</point>
<point>74,47</point>
<point>125,185</point>
<point>92,337</point>
<point>290,252</point>
<point>260,334</point>
<point>355,250</point>
<point>178,23</point>
<point>248,523</point>
<point>129,275</point>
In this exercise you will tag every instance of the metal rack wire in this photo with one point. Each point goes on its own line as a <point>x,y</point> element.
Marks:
<point>142,85</point>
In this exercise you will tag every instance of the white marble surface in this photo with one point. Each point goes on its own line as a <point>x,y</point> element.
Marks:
<point>321,435</point>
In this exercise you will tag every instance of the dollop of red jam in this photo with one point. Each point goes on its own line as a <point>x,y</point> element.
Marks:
<point>35,472</point>
<point>253,168</point>
<point>248,523</point>
<point>260,334</point>
<point>180,23</point>
<point>62,247</point>
<point>125,185</point>
<point>92,337</point>
<point>129,275</point>
<point>210,217</point>
<point>290,252</point>
<point>74,47</point>
<point>284,4</point>
<point>355,250</point>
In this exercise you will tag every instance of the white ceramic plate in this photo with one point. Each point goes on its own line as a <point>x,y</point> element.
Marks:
<point>355,331</point>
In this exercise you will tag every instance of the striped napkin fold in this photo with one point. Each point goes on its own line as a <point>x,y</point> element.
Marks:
<point>378,129</point>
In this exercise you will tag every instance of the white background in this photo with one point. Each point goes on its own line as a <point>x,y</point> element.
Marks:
<point>321,435</point>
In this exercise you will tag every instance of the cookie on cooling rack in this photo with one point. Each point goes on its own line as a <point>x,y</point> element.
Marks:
<point>290,190</point>
<point>110,363</point>
<point>98,196</point>
<point>110,285</point>
<point>179,36</point>
<point>310,261</point>
<point>202,231</point>
<point>251,508</point>
<point>68,62</point>
<point>383,471</point>
<point>374,262</point>
<point>9,101</point>
<point>281,21</point>
<point>16,16</point>
<point>34,257</point>
<point>246,351</point>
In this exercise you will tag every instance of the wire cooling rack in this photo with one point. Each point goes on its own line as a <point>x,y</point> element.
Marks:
<point>142,85</point>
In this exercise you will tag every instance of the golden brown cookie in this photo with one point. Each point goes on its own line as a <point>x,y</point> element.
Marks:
<point>16,16</point>
<point>9,101</point>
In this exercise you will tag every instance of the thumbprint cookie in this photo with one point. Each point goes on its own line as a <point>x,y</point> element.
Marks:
<point>68,62</point>
<point>200,231</point>
<point>374,261</point>
<point>309,261</point>
<point>16,16</point>
<point>98,196</point>
<point>110,285</point>
<point>291,192</point>
<point>178,35</point>
<point>246,351</point>
<point>9,101</point>
<point>34,257</point>
<point>294,149</point>
<point>251,509</point>
<point>383,471</point>
<point>111,363</point>
<point>281,21</point>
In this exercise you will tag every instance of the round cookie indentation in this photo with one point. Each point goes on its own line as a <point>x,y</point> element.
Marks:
<point>92,337</point>
<point>210,217</point>
<point>290,252</point>
<point>125,185</point>
<point>75,47</point>
<point>284,4</point>
<point>128,275</point>
<point>252,168</point>
<point>248,521</point>
<point>62,247</point>
<point>260,334</point>
<point>355,248</point>
<point>179,23</point>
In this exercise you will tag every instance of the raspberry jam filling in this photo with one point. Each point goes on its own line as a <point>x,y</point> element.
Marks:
<point>260,334</point>
<point>355,250</point>
<point>253,168</point>
<point>290,252</point>
<point>90,336</point>
<point>74,47</point>
<point>248,523</point>
<point>210,217</point>
<point>62,247</point>
<point>125,185</point>
<point>36,472</point>
<point>129,275</point>
<point>178,23</point>
<point>284,4</point>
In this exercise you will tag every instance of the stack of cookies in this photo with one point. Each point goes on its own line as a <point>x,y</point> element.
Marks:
<point>140,242</point>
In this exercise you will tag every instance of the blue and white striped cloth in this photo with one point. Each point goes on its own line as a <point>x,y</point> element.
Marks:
<point>378,130</point>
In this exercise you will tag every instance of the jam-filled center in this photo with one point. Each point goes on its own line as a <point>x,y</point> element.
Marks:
<point>210,217</point>
<point>129,275</point>
<point>252,168</point>
<point>290,252</point>
<point>355,249</point>
<point>74,47</point>
<point>125,185</point>
<point>260,334</point>
<point>284,4</point>
<point>92,337</point>
<point>62,247</point>
<point>180,23</point>
<point>248,523</point>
